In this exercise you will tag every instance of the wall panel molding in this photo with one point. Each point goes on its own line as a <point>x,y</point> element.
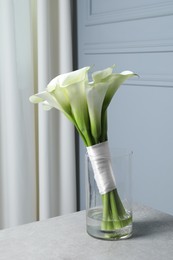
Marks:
<point>152,80</point>
<point>139,46</point>
<point>162,8</point>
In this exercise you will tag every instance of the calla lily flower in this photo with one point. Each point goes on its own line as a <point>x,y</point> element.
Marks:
<point>84,103</point>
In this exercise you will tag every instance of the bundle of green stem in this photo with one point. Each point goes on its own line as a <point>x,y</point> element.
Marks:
<point>114,213</point>
<point>85,104</point>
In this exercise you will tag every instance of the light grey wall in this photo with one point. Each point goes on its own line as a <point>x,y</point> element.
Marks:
<point>136,36</point>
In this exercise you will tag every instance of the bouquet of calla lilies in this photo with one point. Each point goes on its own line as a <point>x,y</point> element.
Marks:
<point>85,104</point>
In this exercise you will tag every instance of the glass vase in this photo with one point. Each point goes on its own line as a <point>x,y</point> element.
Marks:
<point>109,216</point>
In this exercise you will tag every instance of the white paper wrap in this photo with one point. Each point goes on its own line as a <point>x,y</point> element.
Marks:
<point>99,155</point>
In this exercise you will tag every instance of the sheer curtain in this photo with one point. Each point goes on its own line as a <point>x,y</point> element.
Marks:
<point>37,148</point>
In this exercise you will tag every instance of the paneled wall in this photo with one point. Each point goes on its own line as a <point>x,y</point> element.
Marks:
<point>138,36</point>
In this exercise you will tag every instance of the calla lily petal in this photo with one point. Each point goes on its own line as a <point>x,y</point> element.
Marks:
<point>77,97</point>
<point>62,99</point>
<point>35,99</point>
<point>127,72</point>
<point>115,80</point>
<point>73,77</point>
<point>46,106</point>
<point>95,96</point>
<point>67,79</point>
<point>49,98</point>
<point>102,74</point>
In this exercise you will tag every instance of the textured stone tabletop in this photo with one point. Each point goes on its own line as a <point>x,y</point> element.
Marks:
<point>65,238</point>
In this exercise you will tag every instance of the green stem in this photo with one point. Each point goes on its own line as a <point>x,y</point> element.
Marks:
<point>104,127</point>
<point>105,202</point>
<point>114,210</point>
<point>120,208</point>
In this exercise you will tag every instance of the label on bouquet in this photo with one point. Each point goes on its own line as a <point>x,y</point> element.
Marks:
<point>102,167</point>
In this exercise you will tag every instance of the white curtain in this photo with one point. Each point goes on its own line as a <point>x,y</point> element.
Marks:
<point>37,148</point>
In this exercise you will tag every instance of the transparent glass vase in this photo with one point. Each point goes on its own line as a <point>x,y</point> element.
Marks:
<point>109,216</point>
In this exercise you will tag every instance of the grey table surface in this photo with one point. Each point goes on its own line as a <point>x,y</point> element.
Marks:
<point>65,238</point>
